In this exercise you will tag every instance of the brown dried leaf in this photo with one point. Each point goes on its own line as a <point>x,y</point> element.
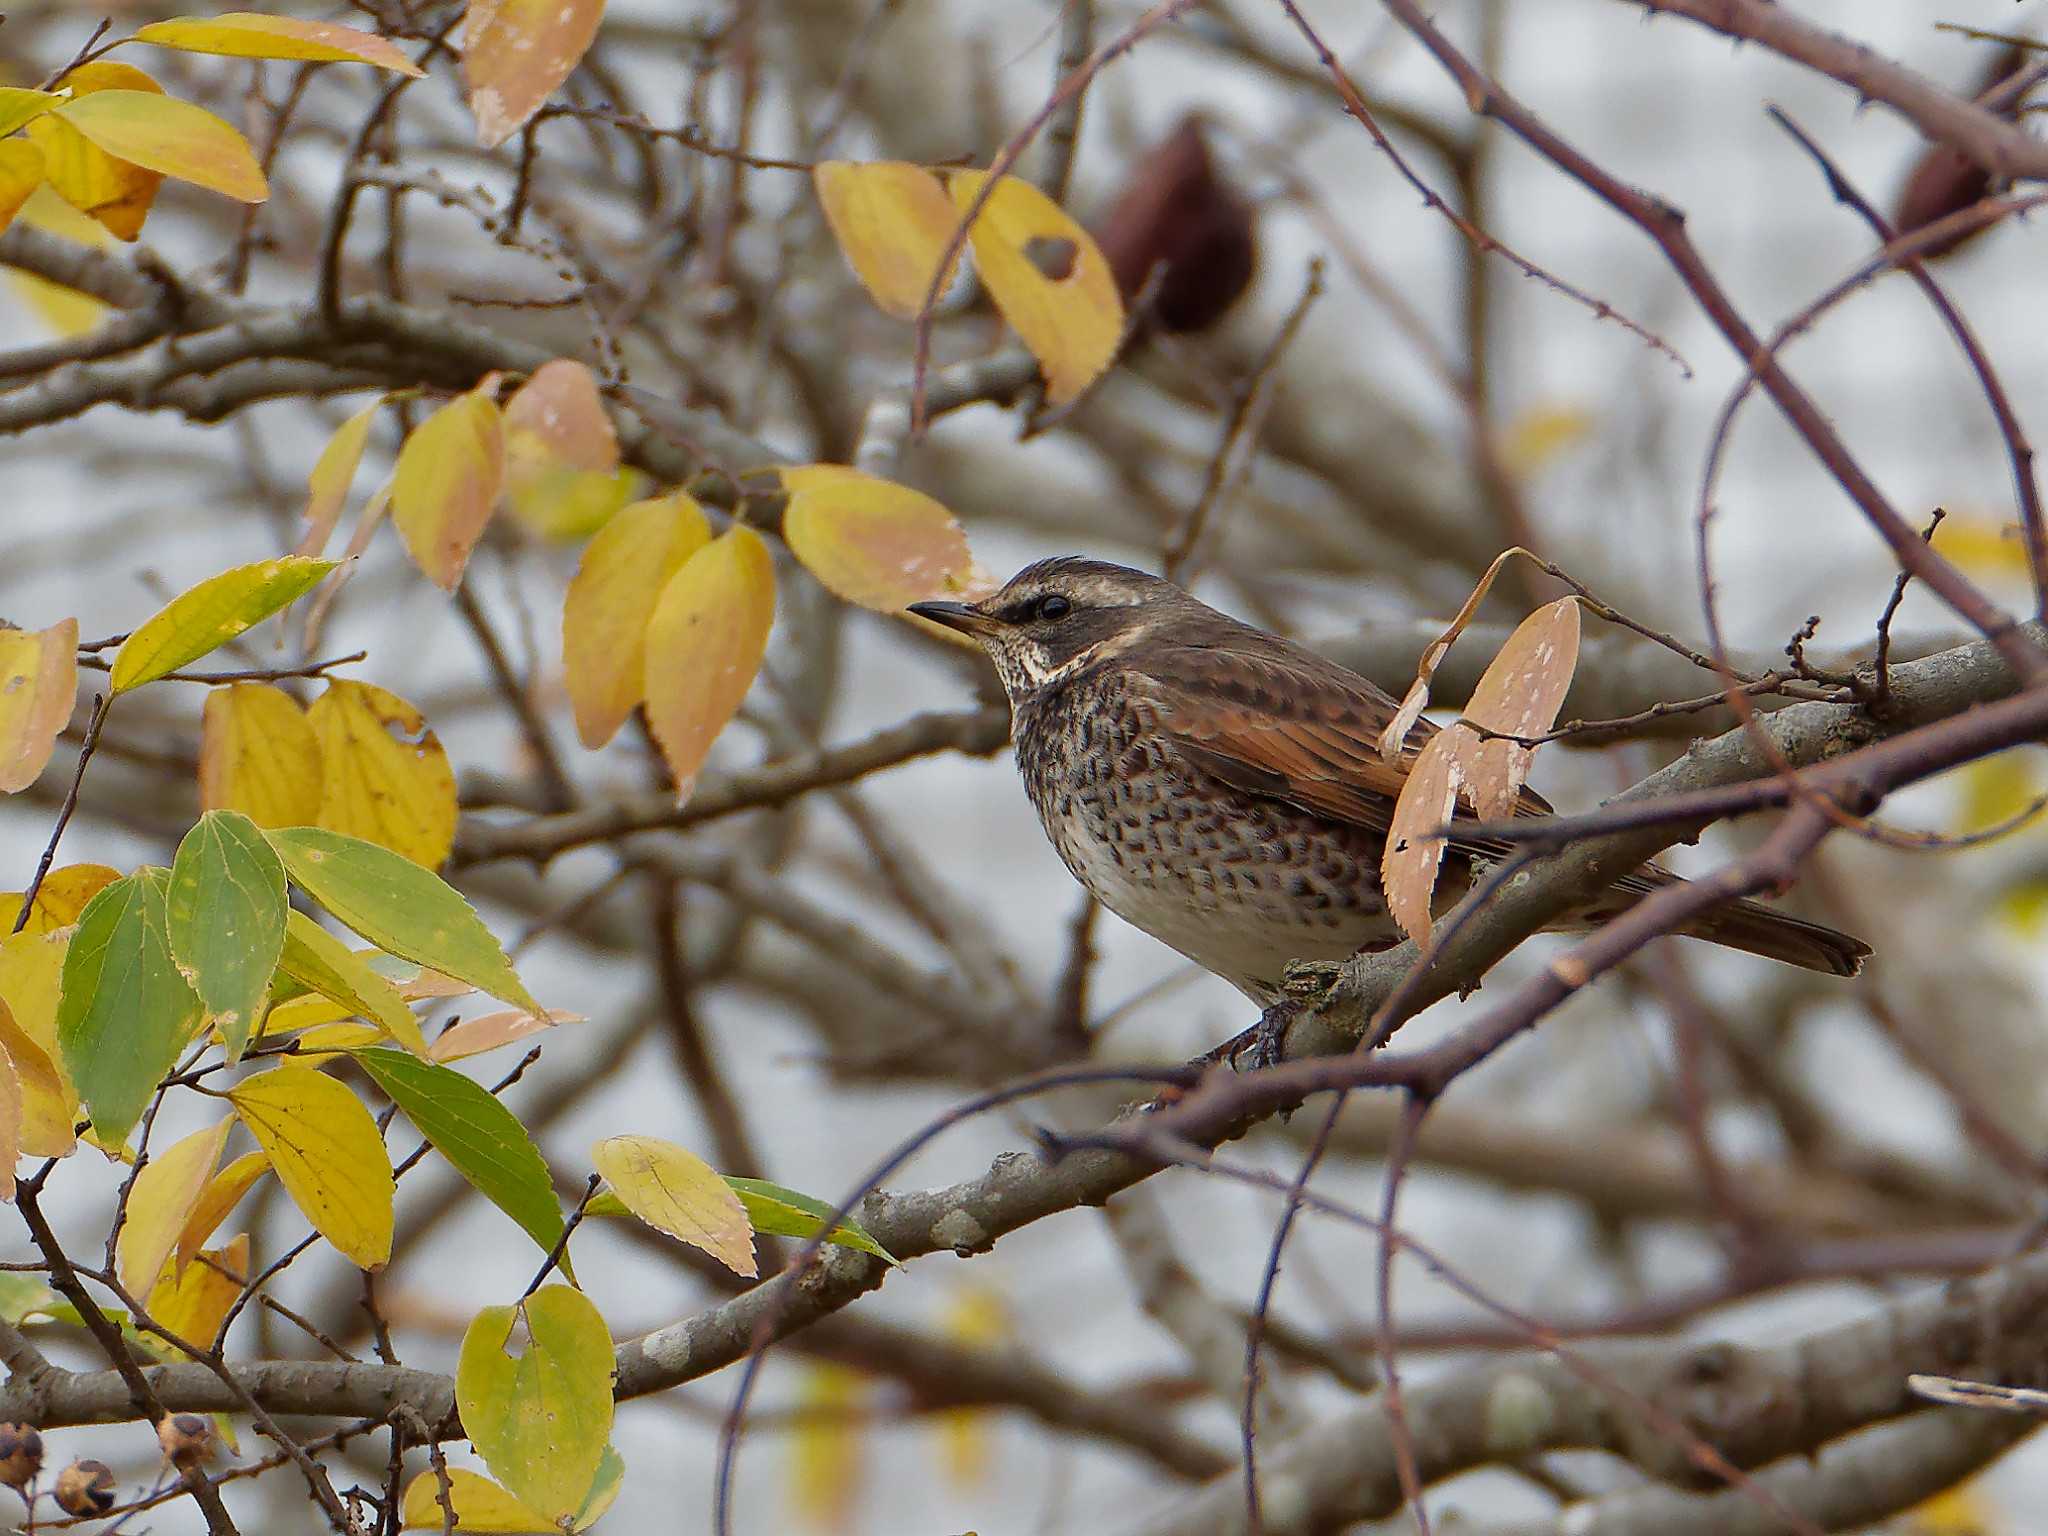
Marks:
<point>1408,867</point>
<point>1520,693</point>
<point>1417,700</point>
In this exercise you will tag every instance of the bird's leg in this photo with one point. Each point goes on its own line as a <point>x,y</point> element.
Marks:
<point>1303,985</point>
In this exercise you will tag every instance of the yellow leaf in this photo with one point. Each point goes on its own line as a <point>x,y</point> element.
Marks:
<point>561,503</point>
<point>210,615</point>
<point>705,642</point>
<point>10,1124</point>
<point>38,687</point>
<point>333,473</point>
<point>1995,790</point>
<point>826,1446</point>
<point>385,775</point>
<point>472,1037</point>
<point>977,1318</point>
<point>258,755</point>
<point>540,1413</point>
<point>62,311</point>
<point>114,192</point>
<point>449,475</point>
<point>49,1109</point>
<point>18,106</point>
<point>677,1192</point>
<point>611,599</point>
<point>161,1199</point>
<point>1047,278</point>
<point>562,474</point>
<point>1408,867</point>
<point>31,980</point>
<point>327,1154</point>
<point>893,221</point>
<point>516,52</point>
<point>21,172</point>
<point>870,541</point>
<point>1538,437</point>
<point>194,1302</point>
<point>1520,693</point>
<point>1982,544</point>
<point>315,958</point>
<point>59,899</point>
<point>245,35</point>
<point>480,1505</point>
<point>161,133</point>
<point>222,1194</point>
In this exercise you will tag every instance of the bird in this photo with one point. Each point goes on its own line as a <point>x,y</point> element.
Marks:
<point>1222,788</point>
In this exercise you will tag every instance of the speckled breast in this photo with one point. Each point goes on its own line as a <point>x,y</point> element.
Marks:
<point>1238,884</point>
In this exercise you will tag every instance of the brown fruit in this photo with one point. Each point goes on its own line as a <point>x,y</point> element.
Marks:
<point>1178,214</point>
<point>21,1454</point>
<point>187,1439</point>
<point>86,1488</point>
<point>1944,180</point>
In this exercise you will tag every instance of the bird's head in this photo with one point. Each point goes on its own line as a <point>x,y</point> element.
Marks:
<point>1056,617</point>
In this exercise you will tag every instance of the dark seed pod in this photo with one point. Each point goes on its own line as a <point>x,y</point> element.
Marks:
<point>21,1454</point>
<point>86,1488</point>
<point>187,1439</point>
<point>1944,180</point>
<point>1177,214</point>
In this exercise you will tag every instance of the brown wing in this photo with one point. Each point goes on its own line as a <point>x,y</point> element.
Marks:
<point>1290,726</point>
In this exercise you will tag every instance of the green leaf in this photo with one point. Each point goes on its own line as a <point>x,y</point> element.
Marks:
<point>480,1136</point>
<point>399,907</point>
<point>541,1421</point>
<point>227,917</point>
<point>318,961</point>
<point>212,613</point>
<point>785,1213</point>
<point>125,1010</point>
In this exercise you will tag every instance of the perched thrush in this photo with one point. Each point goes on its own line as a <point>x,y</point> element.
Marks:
<point>1223,789</point>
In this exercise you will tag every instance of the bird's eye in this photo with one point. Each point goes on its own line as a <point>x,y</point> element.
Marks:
<point>1053,607</point>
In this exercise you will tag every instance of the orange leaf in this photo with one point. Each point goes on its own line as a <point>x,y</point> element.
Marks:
<point>604,621</point>
<point>1520,693</point>
<point>516,52</point>
<point>21,172</point>
<point>871,541</point>
<point>246,35</point>
<point>472,1037</point>
<point>447,482</point>
<point>704,645</point>
<point>893,221</point>
<point>258,755</point>
<point>1408,867</point>
<point>113,191</point>
<point>38,687</point>
<point>1047,278</point>
<point>560,408</point>
<point>161,133</point>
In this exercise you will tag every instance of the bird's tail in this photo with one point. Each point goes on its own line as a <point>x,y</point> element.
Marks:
<point>1757,930</point>
<point>1751,927</point>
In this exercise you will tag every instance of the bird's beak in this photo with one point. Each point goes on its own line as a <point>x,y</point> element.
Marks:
<point>956,616</point>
